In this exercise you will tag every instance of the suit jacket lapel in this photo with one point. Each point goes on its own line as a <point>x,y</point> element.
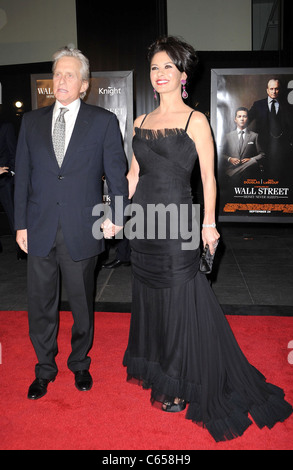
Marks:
<point>47,129</point>
<point>79,131</point>
<point>236,142</point>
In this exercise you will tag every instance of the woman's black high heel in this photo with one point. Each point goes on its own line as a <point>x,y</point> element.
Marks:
<point>171,407</point>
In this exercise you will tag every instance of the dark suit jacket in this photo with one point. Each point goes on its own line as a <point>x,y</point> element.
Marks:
<point>259,118</point>
<point>46,194</point>
<point>7,149</point>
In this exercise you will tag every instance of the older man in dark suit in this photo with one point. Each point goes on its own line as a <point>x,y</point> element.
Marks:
<point>63,152</point>
<point>272,119</point>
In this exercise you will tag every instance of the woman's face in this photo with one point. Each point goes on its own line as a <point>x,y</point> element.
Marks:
<point>164,75</point>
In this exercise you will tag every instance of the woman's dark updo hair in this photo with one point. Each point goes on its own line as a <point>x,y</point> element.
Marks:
<point>182,54</point>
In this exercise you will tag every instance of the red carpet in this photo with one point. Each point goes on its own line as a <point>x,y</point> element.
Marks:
<point>116,415</point>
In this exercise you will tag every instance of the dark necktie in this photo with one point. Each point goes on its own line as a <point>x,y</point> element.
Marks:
<point>275,127</point>
<point>241,141</point>
<point>59,136</point>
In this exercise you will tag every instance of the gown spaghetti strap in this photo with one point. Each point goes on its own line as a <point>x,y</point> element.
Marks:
<point>180,343</point>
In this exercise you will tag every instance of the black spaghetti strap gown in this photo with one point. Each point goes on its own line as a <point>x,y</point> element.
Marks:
<point>180,343</point>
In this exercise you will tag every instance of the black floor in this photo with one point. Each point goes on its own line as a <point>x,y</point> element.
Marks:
<point>253,273</point>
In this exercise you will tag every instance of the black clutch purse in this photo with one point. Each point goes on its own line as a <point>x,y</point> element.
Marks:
<point>206,260</point>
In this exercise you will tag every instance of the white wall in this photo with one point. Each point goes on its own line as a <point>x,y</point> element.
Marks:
<point>212,25</point>
<point>32,30</point>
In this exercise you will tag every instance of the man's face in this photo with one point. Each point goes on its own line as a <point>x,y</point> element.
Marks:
<point>67,80</point>
<point>241,119</point>
<point>273,89</point>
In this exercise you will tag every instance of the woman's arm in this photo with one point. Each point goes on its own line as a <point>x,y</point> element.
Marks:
<point>133,177</point>
<point>202,136</point>
<point>133,174</point>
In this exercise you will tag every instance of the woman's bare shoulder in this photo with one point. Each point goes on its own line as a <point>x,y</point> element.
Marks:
<point>138,120</point>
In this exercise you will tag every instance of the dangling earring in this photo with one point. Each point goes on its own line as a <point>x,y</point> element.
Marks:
<point>184,92</point>
<point>155,95</point>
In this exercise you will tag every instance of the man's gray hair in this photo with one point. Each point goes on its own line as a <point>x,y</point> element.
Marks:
<point>84,62</point>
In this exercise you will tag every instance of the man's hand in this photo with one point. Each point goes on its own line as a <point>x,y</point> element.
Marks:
<point>21,239</point>
<point>109,229</point>
<point>3,169</point>
<point>234,161</point>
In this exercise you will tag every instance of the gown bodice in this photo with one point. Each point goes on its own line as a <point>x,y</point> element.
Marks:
<point>166,159</point>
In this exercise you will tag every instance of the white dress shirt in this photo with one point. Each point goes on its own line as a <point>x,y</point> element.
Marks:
<point>239,132</point>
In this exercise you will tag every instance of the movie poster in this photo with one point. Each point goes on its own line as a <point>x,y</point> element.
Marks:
<point>252,121</point>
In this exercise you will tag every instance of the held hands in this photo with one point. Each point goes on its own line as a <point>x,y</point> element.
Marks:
<point>109,229</point>
<point>236,161</point>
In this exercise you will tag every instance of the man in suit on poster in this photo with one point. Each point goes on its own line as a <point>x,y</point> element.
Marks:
<point>58,182</point>
<point>242,155</point>
<point>273,121</point>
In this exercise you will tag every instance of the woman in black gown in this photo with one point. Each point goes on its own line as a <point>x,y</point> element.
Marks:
<point>180,343</point>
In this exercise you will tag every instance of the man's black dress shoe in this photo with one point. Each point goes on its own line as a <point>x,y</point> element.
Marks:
<point>38,388</point>
<point>83,380</point>
<point>115,264</point>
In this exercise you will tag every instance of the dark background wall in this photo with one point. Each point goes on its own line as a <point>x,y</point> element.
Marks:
<point>117,38</point>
